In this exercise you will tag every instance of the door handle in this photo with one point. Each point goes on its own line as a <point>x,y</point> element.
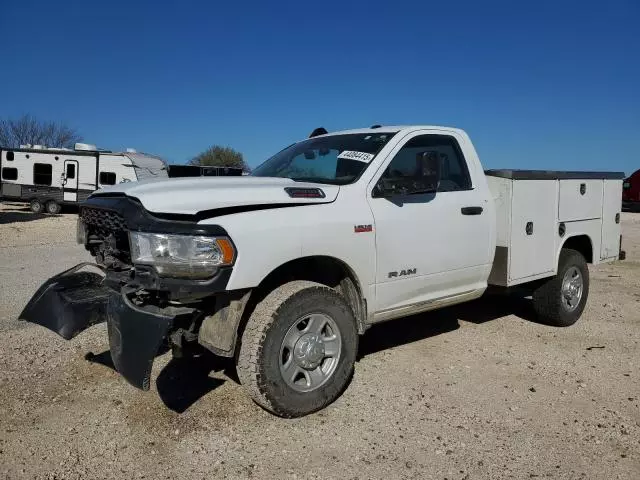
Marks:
<point>471,210</point>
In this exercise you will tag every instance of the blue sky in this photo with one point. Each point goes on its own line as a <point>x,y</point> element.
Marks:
<point>548,85</point>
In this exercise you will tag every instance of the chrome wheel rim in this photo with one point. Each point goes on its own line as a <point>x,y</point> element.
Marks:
<point>572,288</point>
<point>310,352</point>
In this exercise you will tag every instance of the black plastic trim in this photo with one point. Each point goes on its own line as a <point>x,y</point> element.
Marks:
<point>136,335</point>
<point>562,229</point>
<point>138,219</point>
<point>146,277</point>
<point>471,210</point>
<point>554,175</point>
<point>299,192</point>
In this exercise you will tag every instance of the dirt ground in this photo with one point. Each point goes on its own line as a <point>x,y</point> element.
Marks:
<point>479,391</point>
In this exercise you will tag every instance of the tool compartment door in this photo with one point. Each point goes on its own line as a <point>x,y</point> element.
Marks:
<point>611,207</point>
<point>532,236</point>
<point>580,200</point>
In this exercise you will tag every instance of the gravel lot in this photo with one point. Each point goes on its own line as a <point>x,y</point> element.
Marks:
<point>477,391</point>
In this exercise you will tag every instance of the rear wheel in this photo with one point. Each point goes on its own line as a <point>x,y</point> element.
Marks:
<point>560,301</point>
<point>36,206</point>
<point>298,349</point>
<point>53,207</point>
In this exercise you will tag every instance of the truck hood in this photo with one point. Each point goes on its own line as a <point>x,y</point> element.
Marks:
<point>190,195</point>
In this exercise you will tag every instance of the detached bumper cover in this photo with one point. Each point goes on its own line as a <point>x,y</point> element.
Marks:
<point>72,301</point>
<point>69,302</point>
<point>136,335</point>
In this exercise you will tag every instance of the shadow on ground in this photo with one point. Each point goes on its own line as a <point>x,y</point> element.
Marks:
<point>183,381</point>
<point>103,359</point>
<point>14,216</point>
<point>430,324</point>
<point>20,213</point>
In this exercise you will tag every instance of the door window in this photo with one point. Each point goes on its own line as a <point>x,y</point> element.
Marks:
<point>454,174</point>
<point>71,171</point>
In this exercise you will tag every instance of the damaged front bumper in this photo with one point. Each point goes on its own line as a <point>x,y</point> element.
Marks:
<point>74,300</point>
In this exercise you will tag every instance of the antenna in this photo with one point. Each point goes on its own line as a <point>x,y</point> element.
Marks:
<point>318,131</point>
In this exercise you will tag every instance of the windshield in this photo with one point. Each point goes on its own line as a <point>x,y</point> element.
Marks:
<point>334,159</point>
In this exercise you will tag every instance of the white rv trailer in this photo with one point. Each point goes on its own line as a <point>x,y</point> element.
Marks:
<point>50,177</point>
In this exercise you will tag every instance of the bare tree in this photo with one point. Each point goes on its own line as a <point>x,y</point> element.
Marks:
<point>29,130</point>
<point>217,156</point>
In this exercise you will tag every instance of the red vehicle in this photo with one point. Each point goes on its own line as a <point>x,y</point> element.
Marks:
<point>631,192</point>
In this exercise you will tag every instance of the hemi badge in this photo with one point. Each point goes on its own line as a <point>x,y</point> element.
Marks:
<point>363,228</point>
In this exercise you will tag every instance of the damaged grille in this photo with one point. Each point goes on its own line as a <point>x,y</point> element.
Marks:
<point>103,219</point>
<point>107,237</point>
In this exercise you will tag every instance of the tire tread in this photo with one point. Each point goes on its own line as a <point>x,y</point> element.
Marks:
<point>254,335</point>
<point>546,298</point>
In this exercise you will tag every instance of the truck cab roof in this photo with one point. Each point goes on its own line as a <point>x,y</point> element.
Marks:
<point>394,129</point>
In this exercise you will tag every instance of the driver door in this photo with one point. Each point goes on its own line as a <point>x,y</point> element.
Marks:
<point>429,246</point>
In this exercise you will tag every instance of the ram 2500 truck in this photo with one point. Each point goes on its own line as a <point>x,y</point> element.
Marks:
<point>282,270</point>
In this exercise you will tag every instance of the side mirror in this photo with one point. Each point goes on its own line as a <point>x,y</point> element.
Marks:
<point>429,167</point>
<point>423,178</point>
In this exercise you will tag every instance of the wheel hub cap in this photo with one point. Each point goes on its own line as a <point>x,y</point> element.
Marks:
<point>309,351</point>
<point>572,286</point>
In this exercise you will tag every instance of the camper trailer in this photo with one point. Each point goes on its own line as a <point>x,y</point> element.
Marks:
<point>48,178</point>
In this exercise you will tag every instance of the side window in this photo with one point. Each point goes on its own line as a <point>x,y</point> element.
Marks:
<point>10,156</point>
<point>9,173</point>
<point>42,173</point>
<point>107,178</point>
<point>453,167</point>
<point>71,170</point>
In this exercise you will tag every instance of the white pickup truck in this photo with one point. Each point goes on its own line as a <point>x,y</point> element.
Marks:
<point>282,270</point>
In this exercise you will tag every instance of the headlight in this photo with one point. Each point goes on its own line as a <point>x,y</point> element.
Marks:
<point>181,256</point>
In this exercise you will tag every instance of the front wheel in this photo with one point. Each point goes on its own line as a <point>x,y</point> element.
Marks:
<point>298,349</point>
<point>560,300</point>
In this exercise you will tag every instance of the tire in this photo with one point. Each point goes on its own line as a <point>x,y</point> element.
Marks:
<point>53,207</point>
<point>265,359</point>
<point>36,206</point>
<point>551,299</point>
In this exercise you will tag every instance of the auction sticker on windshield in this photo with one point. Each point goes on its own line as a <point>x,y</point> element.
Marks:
<point>359,156</point>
